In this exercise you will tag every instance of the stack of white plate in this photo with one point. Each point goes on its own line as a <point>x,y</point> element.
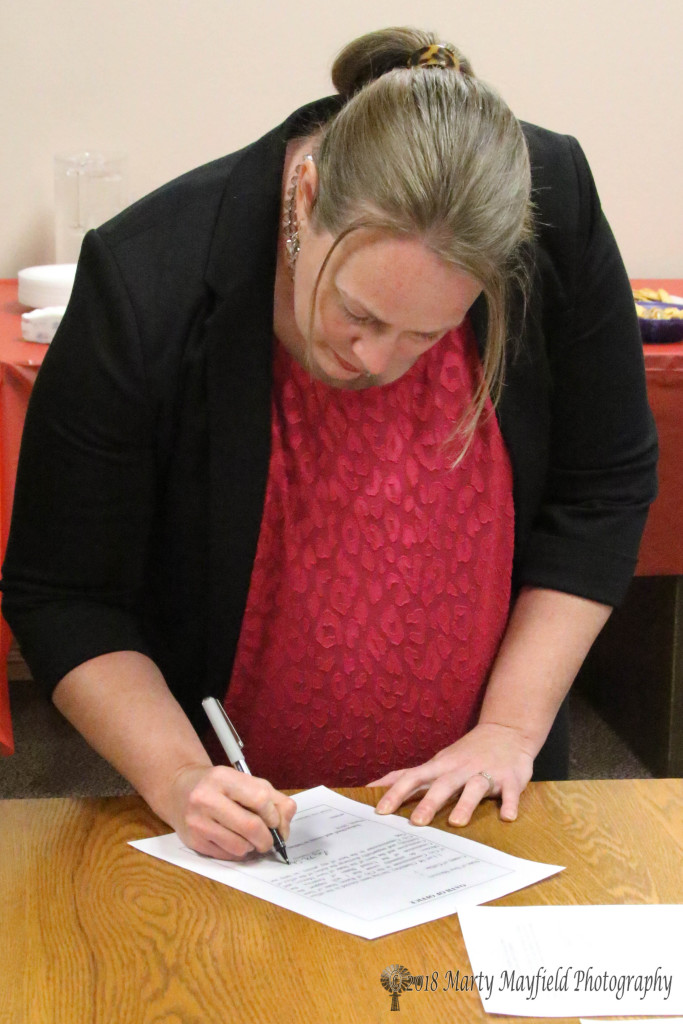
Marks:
<point>46,286</point>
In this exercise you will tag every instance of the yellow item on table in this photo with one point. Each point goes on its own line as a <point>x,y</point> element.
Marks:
<point>660,311</point>
<point>651,295</point>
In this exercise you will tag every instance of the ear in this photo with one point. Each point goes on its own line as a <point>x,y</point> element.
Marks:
<point>307,189</point>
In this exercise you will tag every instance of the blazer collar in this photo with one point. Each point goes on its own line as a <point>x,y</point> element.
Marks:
<point>242,256</point>
<point>248,219</point>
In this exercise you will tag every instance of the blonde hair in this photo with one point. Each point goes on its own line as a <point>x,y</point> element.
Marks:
<point>436,154</point>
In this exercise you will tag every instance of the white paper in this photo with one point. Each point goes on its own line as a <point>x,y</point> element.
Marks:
<point>361,872</point>
<point>568,961</point>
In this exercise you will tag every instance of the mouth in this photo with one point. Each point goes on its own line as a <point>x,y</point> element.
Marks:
<point>346,366</point>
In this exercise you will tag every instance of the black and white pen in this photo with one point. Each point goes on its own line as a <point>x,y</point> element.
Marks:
<point>232,745</point>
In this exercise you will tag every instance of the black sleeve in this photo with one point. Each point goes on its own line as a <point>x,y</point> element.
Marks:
<point>85,486</point>
<point>603,447</point>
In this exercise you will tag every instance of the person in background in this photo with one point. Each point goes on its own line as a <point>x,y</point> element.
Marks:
<point>349,430</point>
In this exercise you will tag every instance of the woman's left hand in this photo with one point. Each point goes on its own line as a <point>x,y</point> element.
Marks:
<point>503,753</point>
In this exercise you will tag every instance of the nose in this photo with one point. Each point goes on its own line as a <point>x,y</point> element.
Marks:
<point>374,351</point>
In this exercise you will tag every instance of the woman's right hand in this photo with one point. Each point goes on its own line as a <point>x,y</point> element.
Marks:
<point>226,814</point>
<point>121,704</point>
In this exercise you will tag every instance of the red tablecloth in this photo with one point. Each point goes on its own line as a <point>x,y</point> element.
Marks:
<point>661,551</point>
<point>19,362</point>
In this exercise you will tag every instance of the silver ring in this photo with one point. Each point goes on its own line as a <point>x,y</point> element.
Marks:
<point>489,779</point>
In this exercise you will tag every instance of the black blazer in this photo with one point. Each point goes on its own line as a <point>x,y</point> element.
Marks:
<point>145,452</point>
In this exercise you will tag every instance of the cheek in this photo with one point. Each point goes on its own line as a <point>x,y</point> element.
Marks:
<point>302,308</point>
<point>330,323</point>
<point>407,354</point>
<point>412,349</point>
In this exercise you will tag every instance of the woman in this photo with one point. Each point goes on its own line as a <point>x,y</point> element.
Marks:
<point>399,585</point>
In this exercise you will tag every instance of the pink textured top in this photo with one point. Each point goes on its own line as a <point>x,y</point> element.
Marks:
<point>381,585</point>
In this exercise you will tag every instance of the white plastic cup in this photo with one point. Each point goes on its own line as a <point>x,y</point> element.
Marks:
<point>90,187</point>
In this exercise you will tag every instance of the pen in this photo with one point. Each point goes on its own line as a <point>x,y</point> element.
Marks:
<point>232,745</point>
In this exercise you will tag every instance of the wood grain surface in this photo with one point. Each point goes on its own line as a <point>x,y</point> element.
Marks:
<point>93,931</point>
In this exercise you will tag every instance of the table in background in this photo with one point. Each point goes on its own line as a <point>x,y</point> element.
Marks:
<point>19,363</point>
<point>642,641</point>
<point>94,930</point>
<point>634,673</point>
<point>661,552</point>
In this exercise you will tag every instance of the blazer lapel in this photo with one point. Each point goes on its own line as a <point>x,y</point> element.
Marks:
<point>239,344</point>
<point>239,337</point>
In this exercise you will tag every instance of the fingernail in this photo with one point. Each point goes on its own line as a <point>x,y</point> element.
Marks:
<point>419,819</point>
<point>458,822</point>
<point>383,807</point>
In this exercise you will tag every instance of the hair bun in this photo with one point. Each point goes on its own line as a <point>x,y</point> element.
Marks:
<point>373,55</point>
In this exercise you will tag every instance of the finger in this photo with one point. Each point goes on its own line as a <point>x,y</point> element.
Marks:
<point>250,792</point>
<point>230,826</point>
<point>410,782</point>
<point>509,807</point>
<point>436,797</point>
<point>258,795</point>
<point>212,849</point>
<point>212,840</point>
<point>274,808</point>
<point>476,789</point>
<point>235,803</point>
<point>206,836</point>
<point>287,809</point>
<point>387,780</point>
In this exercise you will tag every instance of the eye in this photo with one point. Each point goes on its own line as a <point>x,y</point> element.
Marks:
<point>355,319</point>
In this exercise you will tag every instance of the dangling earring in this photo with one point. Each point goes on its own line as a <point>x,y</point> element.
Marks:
<point>290,222</point>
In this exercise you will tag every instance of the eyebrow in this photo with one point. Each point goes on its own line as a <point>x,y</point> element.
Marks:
<point>361,305</point>
<point>378,320</point>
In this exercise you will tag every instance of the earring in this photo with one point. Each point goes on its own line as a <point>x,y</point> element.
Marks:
<point>290,222</point>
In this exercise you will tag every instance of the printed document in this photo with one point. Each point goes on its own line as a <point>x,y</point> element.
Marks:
<point>577,961</point>
<point>361,872</point>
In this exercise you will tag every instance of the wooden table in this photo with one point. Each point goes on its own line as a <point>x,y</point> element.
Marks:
<point>95,931</point>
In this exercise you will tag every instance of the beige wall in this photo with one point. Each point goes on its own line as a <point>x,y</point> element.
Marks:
<point>177,82</point>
